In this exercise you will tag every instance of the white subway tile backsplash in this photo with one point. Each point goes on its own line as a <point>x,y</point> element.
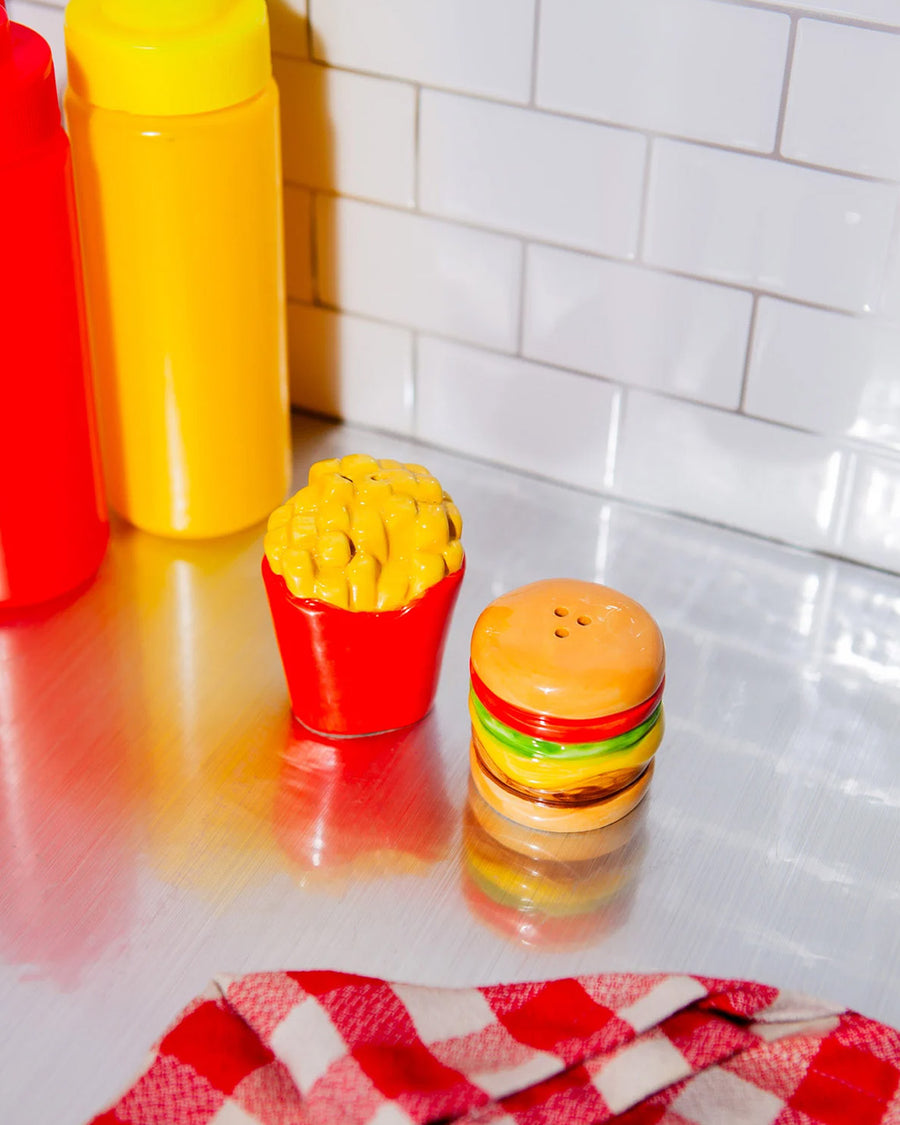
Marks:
<point>813,235</point>
<point>569,171</point>
<point>826,372</point>
<point>347,132</point>
<point>727,468</point>
<point>351,368</point>
<point>298,242</point>
<point>844,104</point>
<point>533,173</point>
<point>697,68</point>
<point>47,22</point>
<point>477,46</point>
<point>422,272</point>
<point>288,27</point>
<point>872,534</point>
<point>520,414</point>
<point>635,325</point>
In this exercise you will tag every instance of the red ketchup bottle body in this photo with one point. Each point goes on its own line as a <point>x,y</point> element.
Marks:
<point>53,522</point>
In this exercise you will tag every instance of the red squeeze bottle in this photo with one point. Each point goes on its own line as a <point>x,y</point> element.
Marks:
<point>53,522</point>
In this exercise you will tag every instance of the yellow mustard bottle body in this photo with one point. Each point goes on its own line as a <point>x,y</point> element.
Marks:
<point>181,223</point>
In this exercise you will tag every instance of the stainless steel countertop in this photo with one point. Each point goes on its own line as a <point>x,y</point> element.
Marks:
<point>161,821</point>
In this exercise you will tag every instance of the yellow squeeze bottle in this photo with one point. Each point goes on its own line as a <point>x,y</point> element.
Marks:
<point>173,117</point>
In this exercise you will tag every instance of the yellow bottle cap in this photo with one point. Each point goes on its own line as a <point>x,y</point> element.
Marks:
<point>167,57</point>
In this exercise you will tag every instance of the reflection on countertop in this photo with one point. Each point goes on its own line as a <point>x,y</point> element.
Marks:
<point>362,807</point>
<point>69,785</point>
<point>208,718</point>
<point>550,890</point>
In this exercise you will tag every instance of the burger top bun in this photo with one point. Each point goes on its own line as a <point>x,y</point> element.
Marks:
<point>570,649</point>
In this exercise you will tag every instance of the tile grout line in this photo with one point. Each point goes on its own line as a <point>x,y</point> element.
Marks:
<point>645,202</point>
<point>787,9</point>
<point>748,357</point>
<point>785,85</point>
<point>598,255</point>
<point>414,405</point>
<point>523,281</point>
<point>309,31</point>
<point>417,146</point>
<point>535,47</point>
<point>314,249</point>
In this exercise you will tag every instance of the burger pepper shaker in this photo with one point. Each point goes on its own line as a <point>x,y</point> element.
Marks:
<point>566,704</point>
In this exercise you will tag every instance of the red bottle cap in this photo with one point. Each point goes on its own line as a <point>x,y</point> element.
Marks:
<point>29,111</point>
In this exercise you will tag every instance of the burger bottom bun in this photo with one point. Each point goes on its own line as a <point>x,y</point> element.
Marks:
<point>548,818</point>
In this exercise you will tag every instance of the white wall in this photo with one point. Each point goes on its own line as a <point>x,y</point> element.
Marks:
<point>647,247</point>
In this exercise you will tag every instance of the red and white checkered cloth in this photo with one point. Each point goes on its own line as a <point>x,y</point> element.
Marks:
<point>329,1048</point>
